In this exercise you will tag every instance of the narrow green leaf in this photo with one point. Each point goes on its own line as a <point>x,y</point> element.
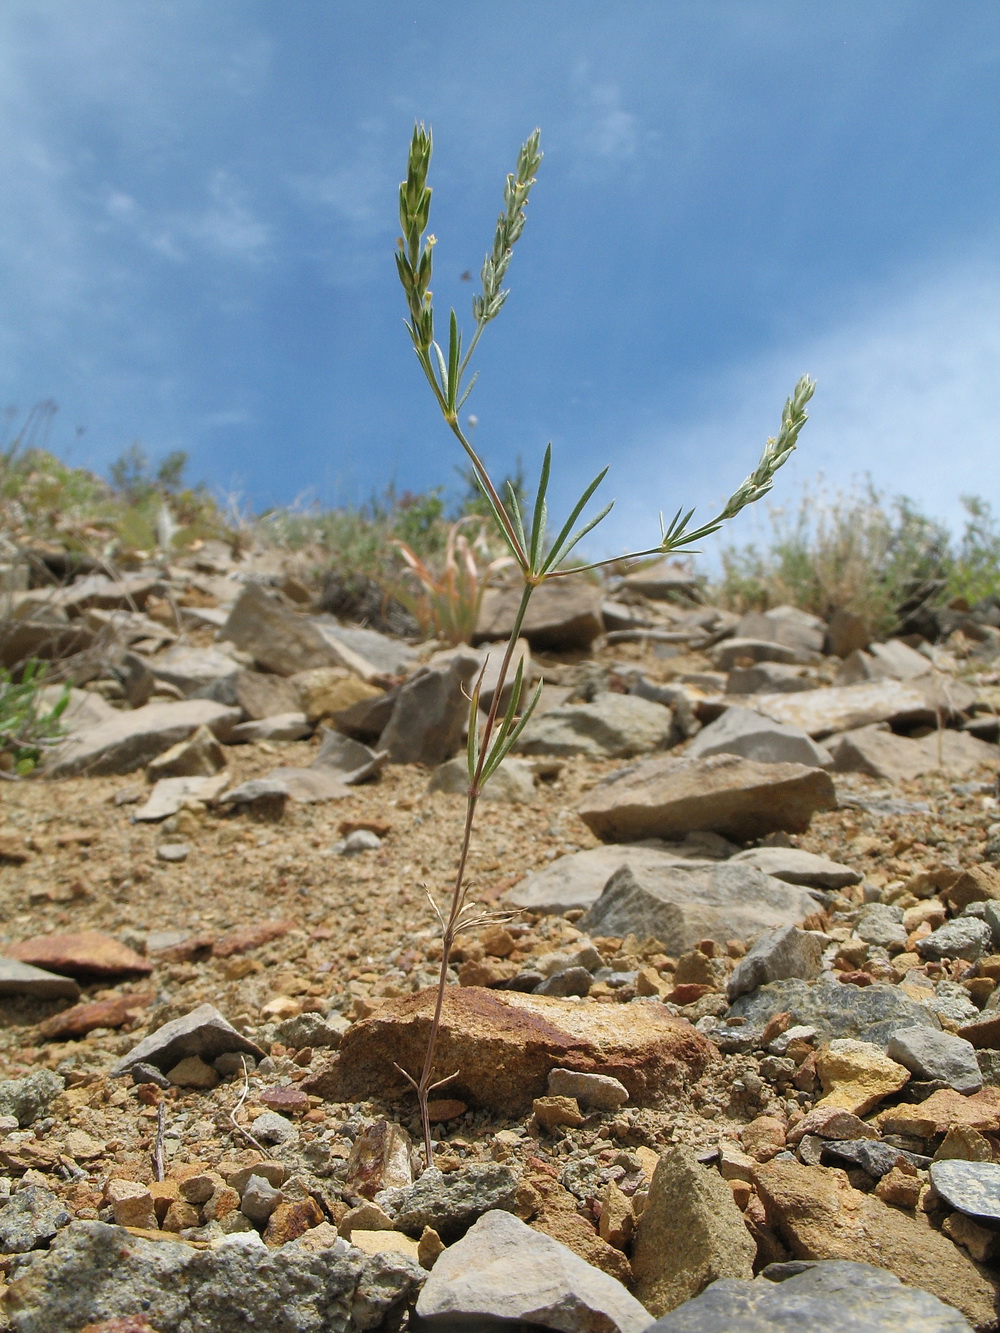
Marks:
<point>538,516</point>
<point>454,357</point>
<point>560,554</point>
<point>515,514</point>
<point>461,402</point>
<point>500,752</point>
<point>443,369</point>
<point>578,509</point>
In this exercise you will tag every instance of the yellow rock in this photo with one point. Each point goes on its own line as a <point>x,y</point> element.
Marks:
<point>385,1242</point>
<point>551,1112</point>
<point>856,1075</point>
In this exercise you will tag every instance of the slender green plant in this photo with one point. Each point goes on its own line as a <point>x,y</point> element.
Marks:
<point>523,527</point>
<point>27,724</point>
<point>449,601</point>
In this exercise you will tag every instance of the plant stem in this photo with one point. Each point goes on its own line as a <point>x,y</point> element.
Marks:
<point>424,1084</point>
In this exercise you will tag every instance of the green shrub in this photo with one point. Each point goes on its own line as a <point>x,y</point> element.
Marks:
<point>27,724</point>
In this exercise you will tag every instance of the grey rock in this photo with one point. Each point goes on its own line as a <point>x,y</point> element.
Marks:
<point>312,1030</point>
<point>745,732</point>
<point>971,1187</point>
<point>736,652</point>
<point>834,1295</point>
<point>130,740</point>
<point>682,906</point>
<point>880,754</point>
<point>872,1155</point>
<point>795,866</point>
<point>450,1203</point>
<point>276,637</point>
<point>272,1128</point>
<point>989,1066</point>
<point>613,726</point>
<point>18,978</point>
<point>264,796</point>
<point>27,1098</point>
<point>845,707</point>
<point>30,1218</point>
<point>937,1055</point>
<point>563,614</point>
<point>504,1275</point>
<point>259,1199</point>
<point>309,785</point>
<point>200,755</point>
<point>953,1004</point>
<point>600,1091</point>
<point>784,624</point>
<point>859,666</point>
<point>690,1233</point>
<point>777,955</point>
<point>367,652</point>
<point>203,1032</point>
<point>349,761</point>
<point>173,851</point>
<point>429,714</point>
<point>360,840</point>
<point>723,793</point>
<point>94,1272</point>
<point>513,781</point>
<point>171,794</point>
<point>191,669</point>
<point>881,924</point>
<point>278,727</point>
<point>578,879</point>
<point>898,660</point>
<point>258,693</point>
<point>768,678</point>
<point>870,1013</point>
<point>966,937</point>
<point>662,581</point>
<point>572,981</point>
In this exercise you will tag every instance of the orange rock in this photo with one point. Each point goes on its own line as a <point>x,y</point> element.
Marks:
<point>291,1220</point>
<point>83,1018</point>
<point>251,937</point>
<point>504,1044</point>
<point>81,953</point>
<point>941,1111</point>
<point>763,1138</point>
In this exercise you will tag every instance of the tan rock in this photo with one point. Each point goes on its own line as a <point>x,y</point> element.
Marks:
<point>845,707</point>
<point>856,1075</point>
<point>551,1112</point>
<point>942,1110</point>
<point>617,1219</point>
<point>81,953</point>
<point>900,1187</point>
<point>116,1012</point>
<point>385,1242</point>
<point>982,1244</point>
<point>691,1232</point>
<point>132,1204</point>
<point>723,793</point>
<point>818,1215</point>
<point>547,1207</point>
<point>180,1216</point>
<point>977,884</point>
<point>504,1044</point>
<point>249,937</point>
<point>764,1137</point>
<point>963,1143</point>
<point>365,1216</point>
<point>193,1072</point>
<point>198,756</point>
<point>429,1247</point>
<point>325,691</point>
<point>292,1219</point>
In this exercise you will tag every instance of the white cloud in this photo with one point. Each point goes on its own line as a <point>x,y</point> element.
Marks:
<point>601,126</point>
<point>908,393</point>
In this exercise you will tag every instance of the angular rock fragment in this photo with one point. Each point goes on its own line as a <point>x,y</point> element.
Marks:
<point>845,707</point>
<point>130,740</point>
<point>450,1202</point>
<point>745,732</point>
<point>776,955</point>
<point>203,1032</point>
<point>795,866</point>
<point>613,726</point>
<point>971,1187</point>
<point>870,1013</point>
<point>836,1295</point>
<point>429,714</point>
<point>23,979</point>
<point>505,1044</point>
<point>681,906</point>
<point>563,614</point>
<point>739,798</point>
<point>84,953</point>
<point>937,1055</point>
<point>818,1215</point>
<point>502,1274</point>
<point>94,1267</point>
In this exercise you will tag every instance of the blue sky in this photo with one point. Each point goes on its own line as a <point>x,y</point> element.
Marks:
<point>199,214</point>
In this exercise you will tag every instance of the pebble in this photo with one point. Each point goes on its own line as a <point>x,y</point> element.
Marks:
<point>173,851</point>
<point>272,1128</point>
<point>599,1091</point>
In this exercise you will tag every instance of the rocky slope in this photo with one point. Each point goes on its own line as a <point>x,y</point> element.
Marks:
<point>737,1012</point>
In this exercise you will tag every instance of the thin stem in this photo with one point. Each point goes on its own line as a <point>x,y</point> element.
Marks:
<point>425,1083</point>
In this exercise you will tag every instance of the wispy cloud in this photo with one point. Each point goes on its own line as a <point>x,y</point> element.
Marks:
<point>601,126</point>
<point>908,393</point>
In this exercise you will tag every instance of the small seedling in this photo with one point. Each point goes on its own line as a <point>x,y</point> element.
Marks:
<point>27,725</point>
<point>538,557</point>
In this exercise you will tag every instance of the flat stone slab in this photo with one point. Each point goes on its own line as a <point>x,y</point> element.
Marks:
<point>171,794</point>
<point>834,1295</point>
<point>723,793</point>
<point>203,1032</point>
<point>870,1013</point>
<point>81,953</point>
<point>130,740</point>
<point>971,1187</point>
<point>680,906</point>
<point>844,707</point>
<point>503,1271</point>
<point>18,978</point>
<point>505,1044</point>
<point>795,866</point>
<point>749,733</point>
<point>613,726</point>
<point>578,879</point>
